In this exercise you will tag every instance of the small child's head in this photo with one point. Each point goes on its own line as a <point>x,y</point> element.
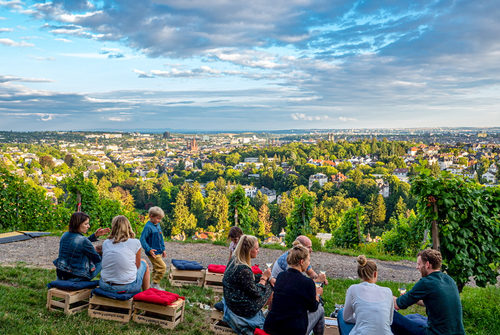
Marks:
<point>234,234</point>
<point>121,230</point>
<point>156,214</point>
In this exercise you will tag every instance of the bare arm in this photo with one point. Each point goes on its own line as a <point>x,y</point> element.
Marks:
<point>138,258</point>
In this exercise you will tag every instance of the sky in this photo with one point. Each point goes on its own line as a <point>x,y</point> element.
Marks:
<point>248,65</point>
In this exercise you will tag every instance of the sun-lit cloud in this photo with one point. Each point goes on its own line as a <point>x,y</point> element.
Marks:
<point>10,43</point>
<point>6,30</point>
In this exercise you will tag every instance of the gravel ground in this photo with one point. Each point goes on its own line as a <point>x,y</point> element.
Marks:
<point>41,251</point>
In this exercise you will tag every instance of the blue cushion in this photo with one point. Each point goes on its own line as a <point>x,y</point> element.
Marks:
<point>181,264</point>
<point>113,295</point>
<point>69,285</point>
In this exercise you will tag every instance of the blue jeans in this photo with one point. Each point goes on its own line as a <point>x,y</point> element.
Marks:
<point>242,325</point>
<point>412,324</point>
<point>63,275</point>
<point>133,287</point>
<point>344,327</point>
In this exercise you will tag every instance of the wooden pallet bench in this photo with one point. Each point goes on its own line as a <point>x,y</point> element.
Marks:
<point>110,309</point>
<point>186,277</point>
<point>164,316</point>
<point>68,301</point>
<point>331,329</point>
<point>217,325</point>
<point>213,280</point>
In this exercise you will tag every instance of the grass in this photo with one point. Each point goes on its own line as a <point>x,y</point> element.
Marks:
<point>23,295</point>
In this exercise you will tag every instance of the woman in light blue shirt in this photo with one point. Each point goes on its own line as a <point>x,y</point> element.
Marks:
<point>368,307</point>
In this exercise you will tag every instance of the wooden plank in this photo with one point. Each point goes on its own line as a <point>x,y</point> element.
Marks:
<point>109,315</point>
<point>170,310</point>
<point>187,273</point>
<point>221,328</point>
<point>331,329</point>
<point>156,321</point>
<point>214,277</point>
<point>98,300</point>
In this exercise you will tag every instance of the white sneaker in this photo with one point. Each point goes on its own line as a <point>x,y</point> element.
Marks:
<point>156,286</point>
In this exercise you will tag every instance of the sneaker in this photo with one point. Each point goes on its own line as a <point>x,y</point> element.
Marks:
<point>156,286</point>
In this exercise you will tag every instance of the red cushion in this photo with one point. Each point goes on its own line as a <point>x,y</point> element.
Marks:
<point>216,268</point>
<point>256,270</point>
<point>159,297</point>
<point>260,332</point>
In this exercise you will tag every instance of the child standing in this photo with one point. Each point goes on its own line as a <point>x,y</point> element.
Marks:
<point>153,244</point>
<point>234,235</point>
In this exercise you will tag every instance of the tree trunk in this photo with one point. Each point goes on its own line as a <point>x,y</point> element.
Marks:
<point>78,201</point>
<point>435,232</point>
<point>359,229</point>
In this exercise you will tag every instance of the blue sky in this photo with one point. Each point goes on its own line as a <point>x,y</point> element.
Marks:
<point>256,65</point>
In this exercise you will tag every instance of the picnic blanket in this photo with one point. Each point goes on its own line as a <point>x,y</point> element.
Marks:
<point>159,297</point>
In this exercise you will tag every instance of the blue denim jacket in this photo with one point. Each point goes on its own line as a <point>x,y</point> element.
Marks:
<point>77,255</point>
<point>152,238</point>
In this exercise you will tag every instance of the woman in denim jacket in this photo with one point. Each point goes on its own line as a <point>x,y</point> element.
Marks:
<point>78,259</point>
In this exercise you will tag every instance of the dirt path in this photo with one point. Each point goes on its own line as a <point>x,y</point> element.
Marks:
<point>41,251</point>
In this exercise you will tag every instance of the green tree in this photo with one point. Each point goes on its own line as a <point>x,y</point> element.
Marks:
<point>298,223</point>
<point>349,234</point>
<point>216,211</point>
<point>265,223</point>
<point>375,215</point>
<point>183,220</point>
<point>467,217</point>
<point>238,210</point>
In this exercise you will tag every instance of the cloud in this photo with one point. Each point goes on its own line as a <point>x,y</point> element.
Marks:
<point>346,119</point>
<point>14,4</point>
<point>304,117</point>
<point>65,40</point>
<point>10,43</point>
<point>112,52</point>
<point>5,79</point>
<point>38,58</point>
<point>5,30</point>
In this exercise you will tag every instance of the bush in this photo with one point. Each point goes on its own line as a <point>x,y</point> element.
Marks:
<point>405,238</point>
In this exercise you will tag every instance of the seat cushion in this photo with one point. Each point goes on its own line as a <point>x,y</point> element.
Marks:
<point>68,285</point>
<point>181,264</point>
<point>216,268</point>
<point>159,297</point>
<point>112,295</point>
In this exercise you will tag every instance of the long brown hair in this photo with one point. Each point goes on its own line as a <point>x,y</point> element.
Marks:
<point>243,248</point>
<point>121,229</point>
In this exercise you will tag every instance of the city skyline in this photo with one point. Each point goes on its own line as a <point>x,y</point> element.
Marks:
<point>233,65</point>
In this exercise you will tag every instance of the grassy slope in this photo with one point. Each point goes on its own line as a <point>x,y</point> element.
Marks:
<point>23,297</point>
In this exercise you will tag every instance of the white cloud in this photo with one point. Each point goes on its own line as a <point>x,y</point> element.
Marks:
<point>65,40</point>
<point>5,30</point>
<point>11,43</point>
<point>346,119</point>
<point>304,117</point>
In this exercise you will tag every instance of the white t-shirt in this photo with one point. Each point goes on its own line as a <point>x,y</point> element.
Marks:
<point>118,261</point>
<point>371,307</point>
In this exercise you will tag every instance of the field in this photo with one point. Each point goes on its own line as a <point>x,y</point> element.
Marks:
<point>23,297</point>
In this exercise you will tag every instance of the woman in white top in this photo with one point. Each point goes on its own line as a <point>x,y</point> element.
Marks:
<point>122,267</point>
<point>368,307</point>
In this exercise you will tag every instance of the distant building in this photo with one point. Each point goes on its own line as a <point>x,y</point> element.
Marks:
<point>383,187</point>
<point>338,178</point>
<point>251,160</point>
<point>321,178</point>
<point>490,177</point>
<point>192,145</point>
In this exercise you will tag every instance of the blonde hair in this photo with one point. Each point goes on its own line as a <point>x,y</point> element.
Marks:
<point>156,212</point>
<point>366,268</point>
<point>121,229</point>
<point>243,248</point>
<point>296,254</point>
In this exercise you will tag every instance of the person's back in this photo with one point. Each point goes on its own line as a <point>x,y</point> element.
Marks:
<point>372,307</point>
<point>442,302</point>
<point>294,296</point>
<point>118,263</point>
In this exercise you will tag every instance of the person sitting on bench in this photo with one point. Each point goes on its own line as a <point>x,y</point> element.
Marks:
<point>368,307</point>
<point>78,260</point>
<point>245,293</point>
<point>123,270</point>
<point>294,296</point>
